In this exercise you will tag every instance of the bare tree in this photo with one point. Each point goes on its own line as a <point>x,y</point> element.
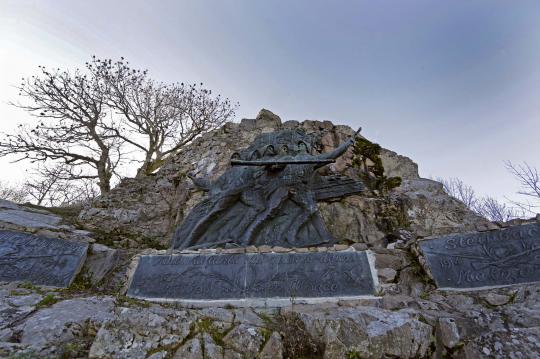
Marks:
<point>159,119</point>
<point>73,127</point>
<point>53,187</point>
<point>529,180</point>
<point>41,187</point>
<point>91,121</point>
<point>12,193</point>
<point>456,188</point>
<point>494,210</point>
<point>487,207</point>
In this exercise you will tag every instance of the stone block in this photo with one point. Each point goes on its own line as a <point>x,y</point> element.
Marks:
<point>252,276</point>
<point>485,259</point>
<point>39,260</point>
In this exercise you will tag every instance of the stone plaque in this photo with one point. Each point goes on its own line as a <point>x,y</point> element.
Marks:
<point>39,260</point>
<point>252,276</point>
<point>485,259</point>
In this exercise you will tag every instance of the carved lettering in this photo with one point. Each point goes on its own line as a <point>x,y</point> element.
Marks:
<point>238,276</point>
<point>39,260</point>
<point>501,257</point>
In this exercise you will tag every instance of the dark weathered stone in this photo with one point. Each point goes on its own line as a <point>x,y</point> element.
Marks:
<point>189,276</point>
<point>494,258</point>
<point>39,260</point>
<point>309,275</point>
<point>252,275</point>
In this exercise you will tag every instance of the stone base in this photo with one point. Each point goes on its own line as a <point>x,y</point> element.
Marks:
<point>254,279</point>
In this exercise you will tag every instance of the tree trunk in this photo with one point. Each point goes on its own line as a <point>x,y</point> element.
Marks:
<point>104,178</point>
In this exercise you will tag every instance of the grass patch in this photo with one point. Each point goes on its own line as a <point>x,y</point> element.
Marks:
<point>82,282</point>
<point>30,286</point>
<point>353,354</point>
<point>206,325</point>
<point>47,301</point>
<point>122,300</point>
<point>25,355</point>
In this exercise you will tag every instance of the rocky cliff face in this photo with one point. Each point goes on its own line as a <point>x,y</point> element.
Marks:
<point>150,208</point>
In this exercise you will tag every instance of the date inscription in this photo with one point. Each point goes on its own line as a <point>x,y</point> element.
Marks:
<point>252,275</point>
<point>39,260</point>
<point>495,258</point>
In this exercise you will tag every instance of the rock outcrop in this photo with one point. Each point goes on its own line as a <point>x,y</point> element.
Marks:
<point>149,209</point>
<point>39,221</point>
<point>403,323</point>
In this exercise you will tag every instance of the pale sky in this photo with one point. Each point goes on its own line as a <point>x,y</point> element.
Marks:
<point>455,85</point>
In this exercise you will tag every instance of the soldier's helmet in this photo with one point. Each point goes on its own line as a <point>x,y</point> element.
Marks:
<point>273,145</point>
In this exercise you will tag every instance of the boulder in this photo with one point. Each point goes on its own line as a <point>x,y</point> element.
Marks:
<point>100,261</point>
<point>38,221</point>
<point>134,332</point>
<point>244,339</point>
<point>50,329</point>
<point>367,332</point>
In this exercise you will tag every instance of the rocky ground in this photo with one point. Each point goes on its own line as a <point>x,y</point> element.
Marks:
<point>409,317</point>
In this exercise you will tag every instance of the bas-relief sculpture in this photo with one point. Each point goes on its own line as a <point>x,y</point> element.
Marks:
<point>39,260</point>
<point>484,259</point>
<point>268,196</point>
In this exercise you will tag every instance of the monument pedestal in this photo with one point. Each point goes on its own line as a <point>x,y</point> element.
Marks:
<point>254,279</point>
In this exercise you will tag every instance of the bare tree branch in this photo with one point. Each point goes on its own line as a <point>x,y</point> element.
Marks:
<point>157,118</point>
<point>12,193</point>
<point>56,187</point>
<point>528,178</point>
<point>90,122</point>
<point>72,126</point>
<point>494,210</point>
<point>487,207</point>
<point>456,188</point>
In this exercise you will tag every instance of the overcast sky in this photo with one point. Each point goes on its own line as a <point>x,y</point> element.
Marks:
<point>455,85</point>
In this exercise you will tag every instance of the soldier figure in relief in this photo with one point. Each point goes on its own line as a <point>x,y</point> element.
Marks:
<point>267,197</point>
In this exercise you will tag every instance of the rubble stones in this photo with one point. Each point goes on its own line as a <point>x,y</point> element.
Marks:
<point>447,332</point>
<point>51,328</point>
<point>100,261</point>
<point>244,339</point>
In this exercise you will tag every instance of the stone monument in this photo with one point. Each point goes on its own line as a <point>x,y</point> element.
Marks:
<point>266,198</point>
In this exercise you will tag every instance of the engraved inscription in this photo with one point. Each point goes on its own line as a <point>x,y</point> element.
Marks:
<point>189,276</point>
<point>39,260</point>
<point>325,275</point>
<point>240,276</point>
<point>470,260</point>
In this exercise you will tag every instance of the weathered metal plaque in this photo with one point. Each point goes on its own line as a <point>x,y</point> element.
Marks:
<point>252,275</point>
<point>189,276</point>
<point>485,259</point>
<point>39,260</point>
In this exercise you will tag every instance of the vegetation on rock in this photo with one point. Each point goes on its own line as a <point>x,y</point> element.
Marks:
<point>367,157</point>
